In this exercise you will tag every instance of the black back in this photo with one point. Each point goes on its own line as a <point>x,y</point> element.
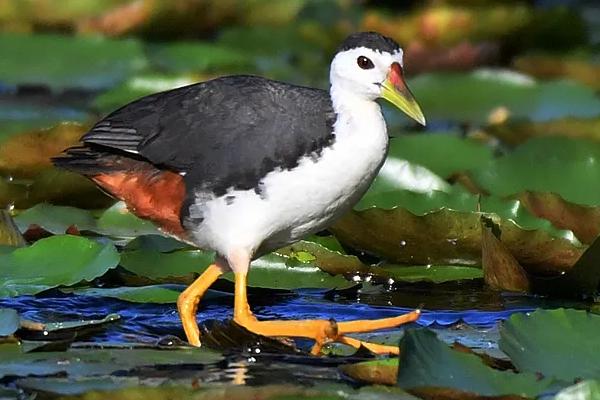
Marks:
<point>227,132</point>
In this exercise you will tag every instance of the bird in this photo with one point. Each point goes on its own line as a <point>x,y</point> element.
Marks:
<point>244,165</point>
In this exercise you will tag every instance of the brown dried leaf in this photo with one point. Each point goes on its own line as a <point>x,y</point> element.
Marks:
<point>500,269</point>
<point>517,132</point>
<point>27,154</point>
<point>584,221</point>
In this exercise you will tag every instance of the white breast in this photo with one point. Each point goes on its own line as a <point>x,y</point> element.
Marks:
<point>303,200</point>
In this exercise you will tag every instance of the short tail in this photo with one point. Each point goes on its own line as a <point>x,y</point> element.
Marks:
<point>88,160</point>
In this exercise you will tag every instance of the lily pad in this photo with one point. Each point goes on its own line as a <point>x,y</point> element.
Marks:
<point>382,372</point>
<point>270,271</point>
<point>70,387</point>
<point>27,154</point>
<point>95,362</point>
<point>514,133</point>
<point>536,343</point>
<point>428,273</point>
<point>55,219</point>
<point>426,362</point>
<point>68,62</point>
<point>55,261</point>
<point>118,221</point>
<point>9,233</point>
<point>441,229</point>
<point>566,167</point>
<point>140,86</point>
<point>431,150</point>
<point>54,186</point>
<point>585,390</point>
<point>500,269</point>
<point>157,294</point>
<point>185,57</point>
<point>584,221</point>
<point>9,321</point>
<point>480,93</point>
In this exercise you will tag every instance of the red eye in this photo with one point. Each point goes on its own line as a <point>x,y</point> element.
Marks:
<point>364,62</point>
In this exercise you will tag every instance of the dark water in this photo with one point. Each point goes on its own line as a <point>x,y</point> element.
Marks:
<point>444,307</point>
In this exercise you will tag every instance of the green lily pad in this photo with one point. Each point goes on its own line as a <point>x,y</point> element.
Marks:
<point>585,390</point>
<point>53,186</point>
<point>143,294</point>
<point>429,273</point>
<point>431,150</point>
<point>444,228</point>
<point>68,62</point>
<point>118,221</point>
<point>426,361</point>
<point>185,57</point>
<point>159,266</point>
<point>140,86</point>
<point>70,387</point>
<point>472,97</point>
<point>566,167</point>
<point>55,219</point>
<point>536,343</point>
<point>270,271</point>
<point>160,243</point>
<point>9,321</point>
<point>55,261</point>
<point>95,362</point>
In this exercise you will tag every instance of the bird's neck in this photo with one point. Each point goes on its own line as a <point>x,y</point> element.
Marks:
<point>357,115</point>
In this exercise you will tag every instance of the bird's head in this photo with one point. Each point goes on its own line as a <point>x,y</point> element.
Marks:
<point>369,65</point>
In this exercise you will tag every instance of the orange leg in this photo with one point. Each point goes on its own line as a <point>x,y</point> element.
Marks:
<point>187,303</point>
<point>322,331</point>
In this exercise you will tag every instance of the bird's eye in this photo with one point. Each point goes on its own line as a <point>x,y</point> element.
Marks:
<point>364,62</point>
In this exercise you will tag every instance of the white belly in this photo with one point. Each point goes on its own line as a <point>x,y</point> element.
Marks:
<point>294,203</point>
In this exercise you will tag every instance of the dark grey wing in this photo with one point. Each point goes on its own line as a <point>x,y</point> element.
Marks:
<point>228,132</point>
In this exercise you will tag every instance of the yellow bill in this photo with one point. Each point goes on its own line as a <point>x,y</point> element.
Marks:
<point>395,90</point>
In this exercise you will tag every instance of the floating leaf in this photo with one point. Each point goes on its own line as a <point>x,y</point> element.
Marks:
<point>382,372</point>
<point>431,151</point>
<point>55,219</point>
<point>142,294</point>
<point>559,343</point>
<point>27,154</point>
<point>582,280</point>
<point>9,321</point>
<point>185,57</point>
<point>55,261</point>
<point>9,233</point>
<point>428,273</point>
<point>516,132</point>
<point>68,62</point>
<point>118,221</point>
<point>270,271</point>
<point>586,390</point>
<point>481,92</point>
<point>95,362</point>
<point>500,269</point>
<point>584,221</point>
<point>427,362</point>
<point>566,167</point>
<point>140,86</point>
<point>427,233</point>
<point>53,186</point>
<point>69,387</point>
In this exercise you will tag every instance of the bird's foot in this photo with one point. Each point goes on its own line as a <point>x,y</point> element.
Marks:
<point>187,303</point>
<point>324,331</point>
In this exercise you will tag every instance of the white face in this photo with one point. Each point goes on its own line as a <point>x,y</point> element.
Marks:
<point>362,77</point>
